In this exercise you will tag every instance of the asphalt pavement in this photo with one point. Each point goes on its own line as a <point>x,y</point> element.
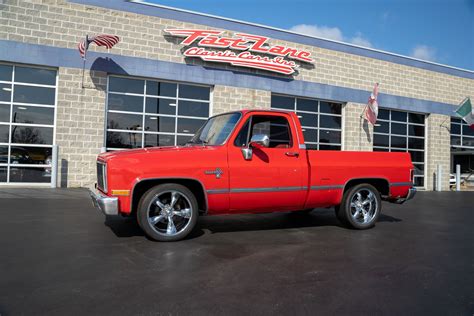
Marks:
<point>60,256</point>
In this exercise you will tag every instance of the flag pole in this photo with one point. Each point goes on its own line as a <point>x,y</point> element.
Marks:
<point>84,60</point>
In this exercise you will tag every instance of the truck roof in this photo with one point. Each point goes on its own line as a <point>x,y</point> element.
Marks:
<point>245,111</point>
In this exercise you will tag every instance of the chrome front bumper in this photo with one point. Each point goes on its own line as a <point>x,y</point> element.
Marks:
<point>411,194</point>
<point>107,205</point>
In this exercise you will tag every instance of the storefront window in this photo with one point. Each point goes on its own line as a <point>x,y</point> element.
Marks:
<point>462,146</point>
<point>398,131</point>
<point>321,121</point>
<point>27,105</point>
<point>149,113</point>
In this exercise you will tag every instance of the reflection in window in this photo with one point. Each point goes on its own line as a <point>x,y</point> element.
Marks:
<point>132,122</point>
<point>162,89</point>
<point>126,85</point>
<point>154,140</point>
<point>127,103</point>
<point>33,115</point>
<point>275,127</point>
<point>27,123</point>
<point>33,175</point>
<point>161,106</point>
<point>34,95</point>
<point>160,124</point>
<point>32,135</point>
<point>35,75</point>
<point>6,72</point>
<point>189,126</point>
<point>462,145</point>
<point>399,131</point>
<point>5,92</point>
<point>5,113</point>
<point>194,92</point>
<point>160,115</point>
<point>188,108</point>
<point>321,120</point>
<point>124,140</point>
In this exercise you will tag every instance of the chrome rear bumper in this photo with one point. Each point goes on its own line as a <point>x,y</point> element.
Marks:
<point>107,205</point>
<point>411,194</point>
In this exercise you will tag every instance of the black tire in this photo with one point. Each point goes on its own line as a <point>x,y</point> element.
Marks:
<point>147,208</point>
<point>354,217</point>
<point>339,215</point>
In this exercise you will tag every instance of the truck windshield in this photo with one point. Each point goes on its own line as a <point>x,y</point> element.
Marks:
<point>216,130</point>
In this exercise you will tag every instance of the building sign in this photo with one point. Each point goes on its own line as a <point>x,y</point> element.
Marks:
<point>240,50</point>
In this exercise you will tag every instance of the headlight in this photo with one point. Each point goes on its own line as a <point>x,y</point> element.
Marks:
<point>102,176</point>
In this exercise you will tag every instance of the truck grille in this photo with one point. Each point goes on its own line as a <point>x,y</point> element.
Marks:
<point>101,176</point>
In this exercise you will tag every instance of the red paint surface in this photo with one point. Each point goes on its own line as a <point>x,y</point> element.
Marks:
<point>269,168</point>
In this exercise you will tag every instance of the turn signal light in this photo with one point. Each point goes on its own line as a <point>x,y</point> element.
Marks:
<point>121,192</point>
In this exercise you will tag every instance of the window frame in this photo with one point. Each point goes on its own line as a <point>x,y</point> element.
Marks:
<point>318,113</point>
<point>145,114</point>
<point>249,129</point>
<point>11,103</point>
<point>461,135</point>
<point>407,137</point>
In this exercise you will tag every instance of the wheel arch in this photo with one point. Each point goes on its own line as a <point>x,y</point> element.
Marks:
<point>381,184</point>
<point>143,185</point>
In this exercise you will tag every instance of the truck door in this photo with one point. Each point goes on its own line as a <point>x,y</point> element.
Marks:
<point>272,179</point>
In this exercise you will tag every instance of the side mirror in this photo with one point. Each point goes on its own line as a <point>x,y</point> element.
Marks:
<point>259,140</point>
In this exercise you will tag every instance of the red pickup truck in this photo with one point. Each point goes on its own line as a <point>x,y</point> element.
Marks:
<point>249,161</point>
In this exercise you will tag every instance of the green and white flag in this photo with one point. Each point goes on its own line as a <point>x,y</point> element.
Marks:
<point>465,111</point>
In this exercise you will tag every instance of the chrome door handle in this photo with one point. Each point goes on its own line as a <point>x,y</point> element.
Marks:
<point>292,154</point>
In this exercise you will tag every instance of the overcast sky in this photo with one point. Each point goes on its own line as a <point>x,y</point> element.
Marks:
<point>439,30</point>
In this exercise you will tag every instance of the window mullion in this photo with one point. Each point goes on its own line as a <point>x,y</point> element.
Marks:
<point>10,125</point>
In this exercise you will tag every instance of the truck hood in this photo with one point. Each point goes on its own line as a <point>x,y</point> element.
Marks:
<point>142,152</point>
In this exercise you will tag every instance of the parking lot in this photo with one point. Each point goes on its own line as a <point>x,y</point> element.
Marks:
<point>61,256</point>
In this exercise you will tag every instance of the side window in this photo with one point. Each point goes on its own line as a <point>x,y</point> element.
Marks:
<point>276,127</point>
<point>241,139</point>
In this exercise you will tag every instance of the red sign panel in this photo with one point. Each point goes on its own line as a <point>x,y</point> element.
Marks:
<point>240,50</point>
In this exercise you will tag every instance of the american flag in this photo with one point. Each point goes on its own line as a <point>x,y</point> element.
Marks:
<point>372,108</point>
<point>100,40</point>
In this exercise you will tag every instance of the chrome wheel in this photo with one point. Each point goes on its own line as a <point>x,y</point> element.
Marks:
<point>169,213</point>
<point>364,205</point>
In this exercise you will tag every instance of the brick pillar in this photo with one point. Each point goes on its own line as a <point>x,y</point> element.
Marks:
<point>357,133</point>
<point>79,125</point>
<point>438,150</point>
<point>226,99</point>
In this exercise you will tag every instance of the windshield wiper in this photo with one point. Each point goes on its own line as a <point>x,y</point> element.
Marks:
<point>199,141</point>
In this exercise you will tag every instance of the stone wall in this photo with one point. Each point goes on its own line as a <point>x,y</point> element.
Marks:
<point>226,99</point>
<point>438,150</point>
<point>358,134</point>
<point>79,125</point>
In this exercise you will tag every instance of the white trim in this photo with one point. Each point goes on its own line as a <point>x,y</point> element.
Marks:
<point>30,104</point>
<point>26,184</point>
<point>28,84</point>
<point>27,145</point>
<point>35,125</point>
<point>25,165</point>
<point>291,32</point>
<point>10,124</point>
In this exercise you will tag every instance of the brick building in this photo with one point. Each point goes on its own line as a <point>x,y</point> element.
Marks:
<point>146,92</point>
